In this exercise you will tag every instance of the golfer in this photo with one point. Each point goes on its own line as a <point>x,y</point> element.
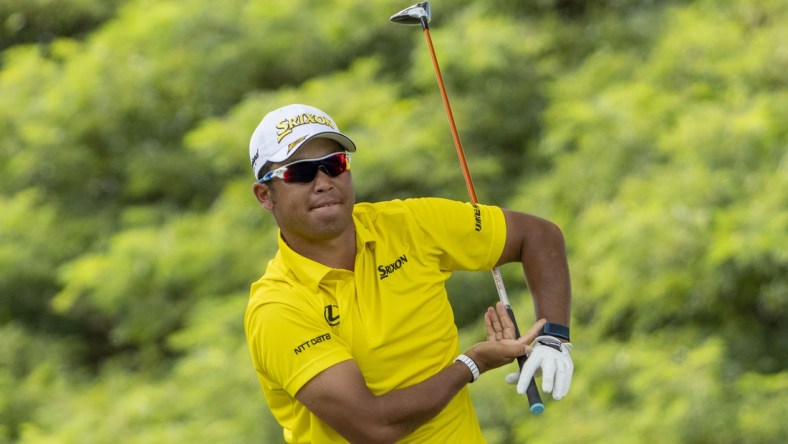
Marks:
<point>350,328</point>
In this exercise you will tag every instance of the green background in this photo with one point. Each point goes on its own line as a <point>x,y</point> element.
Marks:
<point>654,133</point>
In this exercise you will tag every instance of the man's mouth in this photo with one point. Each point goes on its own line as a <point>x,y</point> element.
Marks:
<point>325,205</point>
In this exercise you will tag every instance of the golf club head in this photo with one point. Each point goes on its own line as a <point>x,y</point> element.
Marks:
<point>417,14</point>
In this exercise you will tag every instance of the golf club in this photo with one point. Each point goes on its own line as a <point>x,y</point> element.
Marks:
<point>420,14</point>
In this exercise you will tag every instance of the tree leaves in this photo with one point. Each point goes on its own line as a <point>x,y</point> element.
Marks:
<point>653,133</point>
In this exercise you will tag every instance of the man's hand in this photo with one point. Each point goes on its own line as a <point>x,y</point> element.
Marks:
<point>548,354</point>
<point>501,347</point>
<point>552,356</point>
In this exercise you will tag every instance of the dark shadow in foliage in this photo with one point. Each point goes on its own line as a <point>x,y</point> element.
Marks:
<point>753,294</point>
<point>35,21</point>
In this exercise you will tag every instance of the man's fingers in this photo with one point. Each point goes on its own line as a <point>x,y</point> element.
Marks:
<point>563,380</point>
<point>548,374</point>
<point>489,326</point>
<point>506,321</point>
<point>495,331</point>
<point>534,331</point>
<point>560,384</point>
<point>528,373</point>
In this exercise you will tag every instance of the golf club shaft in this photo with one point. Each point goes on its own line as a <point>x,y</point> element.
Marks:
<point>534,399</point>
<point>455,135</point>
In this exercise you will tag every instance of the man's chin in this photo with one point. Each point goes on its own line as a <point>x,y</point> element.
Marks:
<point>331,218</point>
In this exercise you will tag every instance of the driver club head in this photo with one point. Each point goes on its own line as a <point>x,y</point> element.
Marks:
<point>418,14</point>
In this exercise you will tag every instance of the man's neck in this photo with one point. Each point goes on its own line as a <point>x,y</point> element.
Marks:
<point>337,252</point>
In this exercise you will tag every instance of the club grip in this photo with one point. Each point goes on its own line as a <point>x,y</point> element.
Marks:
<point>532,392</point>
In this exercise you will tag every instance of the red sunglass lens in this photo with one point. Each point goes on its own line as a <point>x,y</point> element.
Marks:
<point>305,171</point>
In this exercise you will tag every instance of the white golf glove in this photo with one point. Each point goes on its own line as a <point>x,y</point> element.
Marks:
<point>552,357</point>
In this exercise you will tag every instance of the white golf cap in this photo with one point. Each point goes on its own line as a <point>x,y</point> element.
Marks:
<point>284,130</point>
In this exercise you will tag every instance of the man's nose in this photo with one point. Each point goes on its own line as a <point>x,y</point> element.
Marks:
<point>322,178</point>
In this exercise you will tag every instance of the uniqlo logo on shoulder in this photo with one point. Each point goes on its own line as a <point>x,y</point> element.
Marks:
<point>331,315</point>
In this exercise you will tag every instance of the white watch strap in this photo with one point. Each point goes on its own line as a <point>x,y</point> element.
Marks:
<point>471,365</point>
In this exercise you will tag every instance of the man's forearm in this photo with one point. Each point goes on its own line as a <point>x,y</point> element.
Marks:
<point>410,407</point>
<point>538,245</point>
<point>340,397</point>
<point>547,274</point>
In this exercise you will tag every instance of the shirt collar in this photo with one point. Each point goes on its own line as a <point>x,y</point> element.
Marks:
<point>363,235</point>
<point>310,273</point>
<point>305,270</point>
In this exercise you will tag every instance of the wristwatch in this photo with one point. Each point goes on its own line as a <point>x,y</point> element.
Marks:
<point>557,330</point>
<point>471,366</point>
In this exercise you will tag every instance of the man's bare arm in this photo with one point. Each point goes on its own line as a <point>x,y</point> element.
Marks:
<point>340,397</point>
<point>538,245</point>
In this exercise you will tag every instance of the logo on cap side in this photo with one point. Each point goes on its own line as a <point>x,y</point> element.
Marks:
<point>294,144</point>
<point>286,126</point>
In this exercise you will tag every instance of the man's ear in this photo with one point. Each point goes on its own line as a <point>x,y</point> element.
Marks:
<point>263,194</point>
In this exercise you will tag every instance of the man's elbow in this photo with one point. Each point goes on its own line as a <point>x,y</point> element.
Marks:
<point>378,424</point>
<point>553,231</point>
<point>373,433</point>
<point>544,233</point>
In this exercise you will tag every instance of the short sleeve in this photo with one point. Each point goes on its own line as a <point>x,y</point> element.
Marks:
<point>290,347</point>
<point>465,236</point>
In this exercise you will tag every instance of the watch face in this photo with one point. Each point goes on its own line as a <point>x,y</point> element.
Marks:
<point>557,330</point>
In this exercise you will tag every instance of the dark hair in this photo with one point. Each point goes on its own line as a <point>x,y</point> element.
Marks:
<point>264,169</point>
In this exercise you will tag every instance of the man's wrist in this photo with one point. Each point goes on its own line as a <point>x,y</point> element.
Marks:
<point>557,330</point>
<point>471,366</point>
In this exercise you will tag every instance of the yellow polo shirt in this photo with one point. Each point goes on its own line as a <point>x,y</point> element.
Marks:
<point>391,315</point>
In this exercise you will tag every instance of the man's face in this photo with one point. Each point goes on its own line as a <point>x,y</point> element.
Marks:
<point>316,211</point>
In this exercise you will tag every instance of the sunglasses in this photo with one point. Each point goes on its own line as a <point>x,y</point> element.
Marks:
<point>305,171</point>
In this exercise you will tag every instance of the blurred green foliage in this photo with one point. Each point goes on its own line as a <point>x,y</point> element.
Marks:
<point>654,133</point>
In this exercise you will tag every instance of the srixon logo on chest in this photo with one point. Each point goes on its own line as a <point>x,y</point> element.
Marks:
<point>385,270</point>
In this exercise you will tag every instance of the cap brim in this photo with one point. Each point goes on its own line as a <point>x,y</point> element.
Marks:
<point>341,139</point>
